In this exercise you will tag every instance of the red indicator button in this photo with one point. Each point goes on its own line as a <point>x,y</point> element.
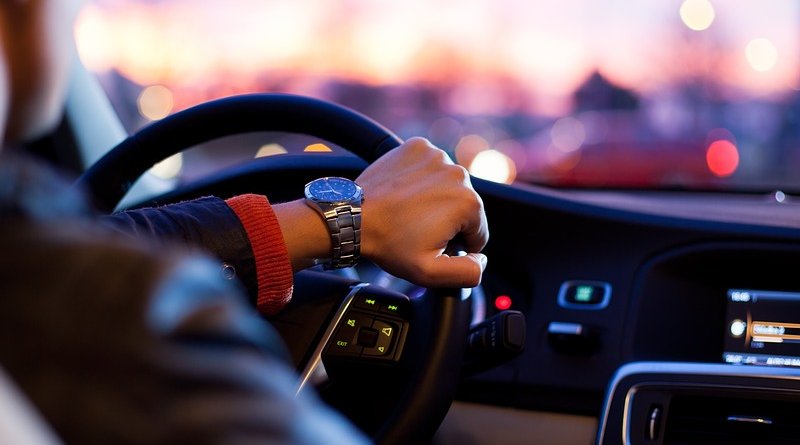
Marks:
<point>502,302</point>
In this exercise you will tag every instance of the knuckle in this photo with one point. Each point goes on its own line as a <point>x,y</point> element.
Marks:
<point>476,200</point>
<point>443,157</point>
<point>472,195</point>
<point>436,158</point>
<point>417,145</point>
<point>471,201</point>
<point>458,173</point>
<point>474,203</point>
<point>424,148</point>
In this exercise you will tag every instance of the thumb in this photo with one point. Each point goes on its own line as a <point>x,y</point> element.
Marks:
<point>456,271</point>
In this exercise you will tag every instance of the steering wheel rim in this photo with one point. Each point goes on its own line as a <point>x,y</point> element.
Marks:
<point>430,388</point>
<point>107,181</point>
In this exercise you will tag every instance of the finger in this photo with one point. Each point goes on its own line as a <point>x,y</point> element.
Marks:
<point>475,229</point>
<point>455,271</point>
<point>476,235</point>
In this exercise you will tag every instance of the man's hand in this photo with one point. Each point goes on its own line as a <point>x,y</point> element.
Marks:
<point>415,202</point>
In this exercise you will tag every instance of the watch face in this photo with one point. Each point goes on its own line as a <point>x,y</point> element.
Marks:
<point>333,190</point>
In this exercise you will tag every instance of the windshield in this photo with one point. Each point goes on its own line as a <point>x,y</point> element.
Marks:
<point>648,94</point>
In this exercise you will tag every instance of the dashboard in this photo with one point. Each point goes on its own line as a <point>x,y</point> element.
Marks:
<point>666,279</point>
<point>619,289</point>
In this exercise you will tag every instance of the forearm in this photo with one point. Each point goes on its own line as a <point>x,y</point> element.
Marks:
<point>206,224</point>
<point>242,231</point>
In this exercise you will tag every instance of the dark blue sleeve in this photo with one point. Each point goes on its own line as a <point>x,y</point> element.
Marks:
<point>207,224</point>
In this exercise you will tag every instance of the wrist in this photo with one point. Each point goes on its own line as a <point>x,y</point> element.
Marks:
<point>368,230</point>
<point>304,232</point>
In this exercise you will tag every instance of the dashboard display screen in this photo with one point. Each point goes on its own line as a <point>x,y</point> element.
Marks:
<point>762,328</point>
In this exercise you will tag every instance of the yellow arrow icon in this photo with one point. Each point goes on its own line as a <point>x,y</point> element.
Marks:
<point>381,349</point>
<point>387,331</point>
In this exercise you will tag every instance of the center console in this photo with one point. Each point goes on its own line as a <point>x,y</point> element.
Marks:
<point>761,328</point>
<point>712,350</point>
<point>701,403</point>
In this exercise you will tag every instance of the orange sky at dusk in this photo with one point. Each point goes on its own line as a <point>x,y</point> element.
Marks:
<point>548,48</point>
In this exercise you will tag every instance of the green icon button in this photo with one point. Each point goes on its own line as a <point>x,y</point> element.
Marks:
<point>584,293</point>
<point>351,322</point>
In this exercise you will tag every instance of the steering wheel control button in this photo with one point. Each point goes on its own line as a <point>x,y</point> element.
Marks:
<point>344,341</point>
<point>367,302</point>
<point>367,337</point>
<point>392,306</point>
<point>387,332</point>
<point>584,295</point>
<point>344,347</point>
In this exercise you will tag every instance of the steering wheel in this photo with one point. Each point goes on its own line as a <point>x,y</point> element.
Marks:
<point>397,388</point>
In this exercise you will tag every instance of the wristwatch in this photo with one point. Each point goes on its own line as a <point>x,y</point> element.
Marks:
<point>338,200</point>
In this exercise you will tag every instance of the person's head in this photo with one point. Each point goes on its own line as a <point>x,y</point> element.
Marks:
<point>36,49</point>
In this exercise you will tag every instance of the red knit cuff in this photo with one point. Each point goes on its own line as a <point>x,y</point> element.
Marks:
<point>273,266</point>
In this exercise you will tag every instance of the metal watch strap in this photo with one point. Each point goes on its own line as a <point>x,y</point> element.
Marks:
<point>344,226</point>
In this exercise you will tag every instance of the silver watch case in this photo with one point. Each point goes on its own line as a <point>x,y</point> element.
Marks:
<point>343,219</point>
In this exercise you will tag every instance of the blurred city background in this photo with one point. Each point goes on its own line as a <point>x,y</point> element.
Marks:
<point>693,94</point>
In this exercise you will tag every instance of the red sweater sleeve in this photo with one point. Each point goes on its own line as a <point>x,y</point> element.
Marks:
<point>273,267</point>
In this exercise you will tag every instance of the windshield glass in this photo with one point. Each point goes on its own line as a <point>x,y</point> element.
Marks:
<point>695,94</point>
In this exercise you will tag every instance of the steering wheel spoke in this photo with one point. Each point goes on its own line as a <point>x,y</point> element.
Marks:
<point>368,328</point>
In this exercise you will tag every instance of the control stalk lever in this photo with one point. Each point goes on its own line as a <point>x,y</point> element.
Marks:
<point>494,341</point>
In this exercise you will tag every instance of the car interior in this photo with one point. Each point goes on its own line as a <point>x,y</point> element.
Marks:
<point>633,296</point>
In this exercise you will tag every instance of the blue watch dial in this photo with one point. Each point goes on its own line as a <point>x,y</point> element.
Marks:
<point>333,189</point>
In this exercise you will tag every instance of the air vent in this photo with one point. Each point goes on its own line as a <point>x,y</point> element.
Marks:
<point>695,420</point>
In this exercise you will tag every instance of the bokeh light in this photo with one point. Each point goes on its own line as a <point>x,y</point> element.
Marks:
<point>169,168</point>
<point>317,148</point>
<point>95,52</point>
<point>468,148</point>
<point>722,158</point>
<point>493,166</point>
<point>155,102</point>
<point>761,54</point>
<point>560,88</point>
<point>568,134</point>
<point>271,150</point>
<point>697,15</point>
<point>561,161</point>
